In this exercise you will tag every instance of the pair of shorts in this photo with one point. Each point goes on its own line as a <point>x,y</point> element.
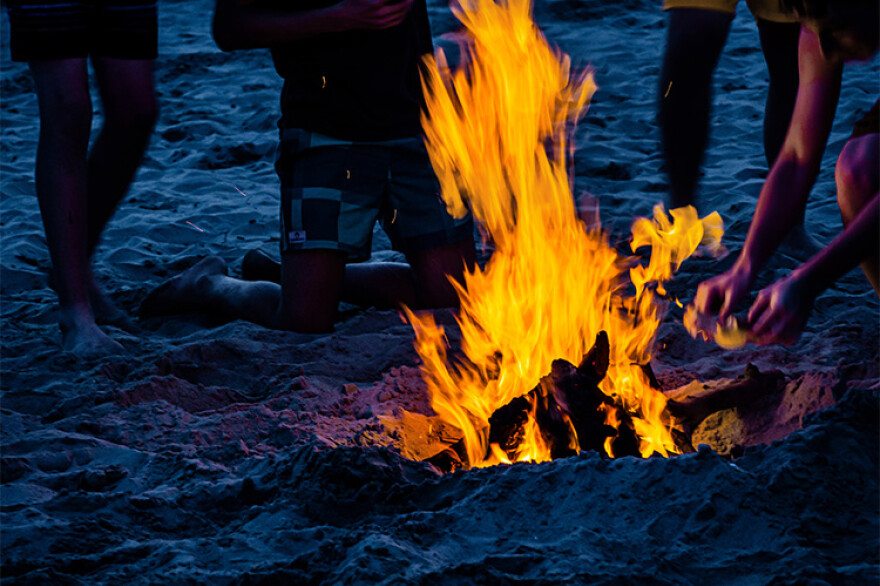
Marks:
<point>333,192</point>
<point>761,9</point>
<point>68,29</point>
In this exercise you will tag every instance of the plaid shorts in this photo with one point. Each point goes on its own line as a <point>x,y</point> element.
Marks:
<point>65,29</point>
<point>333,191</point>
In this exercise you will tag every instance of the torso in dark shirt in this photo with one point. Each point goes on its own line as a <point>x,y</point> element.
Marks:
<point>359,85</point>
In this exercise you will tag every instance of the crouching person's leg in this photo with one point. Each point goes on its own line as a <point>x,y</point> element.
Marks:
<point>311,281</point>
<point>434,269</point>
<point>858,180</point>
<point>306,301</point>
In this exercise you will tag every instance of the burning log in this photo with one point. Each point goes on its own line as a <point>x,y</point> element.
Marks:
<point>568,409</point>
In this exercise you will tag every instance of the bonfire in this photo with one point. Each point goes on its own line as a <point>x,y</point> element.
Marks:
<point>499,131</point>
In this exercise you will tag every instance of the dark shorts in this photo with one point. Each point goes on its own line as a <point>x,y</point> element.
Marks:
<point>870,122</point>
<point>761,9</point>
<point>333,191</point>
<point>65,29</point>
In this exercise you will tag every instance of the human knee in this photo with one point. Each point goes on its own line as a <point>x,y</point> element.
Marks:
<point>67,111</point>
<point>137,116</point>
<point>856,174</point>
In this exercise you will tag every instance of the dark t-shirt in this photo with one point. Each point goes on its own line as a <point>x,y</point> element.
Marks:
<point>359,85</point>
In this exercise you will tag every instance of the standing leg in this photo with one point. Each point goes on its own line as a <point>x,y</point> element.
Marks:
<point>694,42</point>
<point>130,110</point>
<point>129,104</point>
<point>61,183</point>
<point>433,269</point>
<point>779,41</point>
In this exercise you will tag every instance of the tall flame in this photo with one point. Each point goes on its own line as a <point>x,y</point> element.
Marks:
<point>497,131</point>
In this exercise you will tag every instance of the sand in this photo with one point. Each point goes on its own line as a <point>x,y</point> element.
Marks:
<point>228,453</point>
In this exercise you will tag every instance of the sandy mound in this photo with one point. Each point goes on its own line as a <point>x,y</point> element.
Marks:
<point>227,453</point>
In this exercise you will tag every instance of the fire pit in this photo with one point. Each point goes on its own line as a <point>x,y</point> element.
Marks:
<point>529,384</point>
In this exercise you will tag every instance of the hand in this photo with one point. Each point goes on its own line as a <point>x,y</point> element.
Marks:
<point>719,295</point>
<point>780,312</point>
<point>372,14</point>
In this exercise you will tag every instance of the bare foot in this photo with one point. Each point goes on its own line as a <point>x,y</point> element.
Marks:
<point>181,294</point>
<point>259,266</point>
<point>107,312</point>
<point>84,339</point>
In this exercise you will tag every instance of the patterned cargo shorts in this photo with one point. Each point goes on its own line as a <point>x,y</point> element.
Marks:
<point>333,191</point>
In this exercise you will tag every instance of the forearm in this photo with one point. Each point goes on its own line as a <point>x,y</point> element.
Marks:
<point>785,192</point>
<point>780,205</point>
<point>240,25</point>
<point>860,237</point>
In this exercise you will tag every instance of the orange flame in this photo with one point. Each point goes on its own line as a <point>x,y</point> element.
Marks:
<point>497,131</point>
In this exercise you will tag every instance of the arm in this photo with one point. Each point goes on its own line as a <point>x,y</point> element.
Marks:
<point>781,310</point>
<point>784,194</point>
<point>241,24</point>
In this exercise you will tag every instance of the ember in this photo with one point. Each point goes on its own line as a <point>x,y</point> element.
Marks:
<point>498,131</point>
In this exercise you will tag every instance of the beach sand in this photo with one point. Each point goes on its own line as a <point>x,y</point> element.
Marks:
<point>228,453</point>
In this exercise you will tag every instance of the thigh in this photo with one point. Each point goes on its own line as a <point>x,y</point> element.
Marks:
<point>62,87</point>
<point>771,10</point>
<point>857,173</point>
<point>725,6</point>
<point>124,29</point>
<point>694,40</point>
<point>416,218</point>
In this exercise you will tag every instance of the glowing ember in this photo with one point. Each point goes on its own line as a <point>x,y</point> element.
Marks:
<point>498,133</point>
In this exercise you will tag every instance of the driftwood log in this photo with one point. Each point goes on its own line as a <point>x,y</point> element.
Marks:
<point>692,403</point>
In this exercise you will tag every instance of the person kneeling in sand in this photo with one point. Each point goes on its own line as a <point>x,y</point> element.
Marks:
<point>832,31</point>
<point>351,152</point>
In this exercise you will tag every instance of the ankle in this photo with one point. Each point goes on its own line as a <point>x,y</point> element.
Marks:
<point>76,317</point>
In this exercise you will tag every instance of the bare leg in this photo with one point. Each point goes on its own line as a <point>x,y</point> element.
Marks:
<point>311,281</point>
<point>779,41</point>
<point>434,267</point>
<point>694,42</point>
<point>383,285</point>
<point>858,179</point>
<point>65,123</point>
<point>129,104</point>
<point>421,284</point>
<point>205,288</point>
